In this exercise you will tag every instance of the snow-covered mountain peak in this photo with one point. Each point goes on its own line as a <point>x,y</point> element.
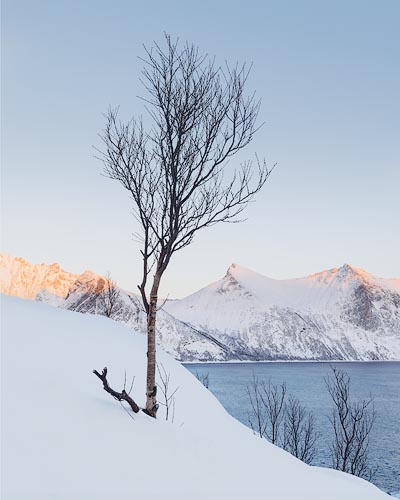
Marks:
<point>320,291</point>
<point>247,278</point>
<point>345,272</point>
<point>88,282</point>
<point>348,271</point>
<point>236,271</point>
<point>55,266</point>
<point>26,280</point>
<point>247,310</point>
<point>346,275</point>
<point>262,286</point>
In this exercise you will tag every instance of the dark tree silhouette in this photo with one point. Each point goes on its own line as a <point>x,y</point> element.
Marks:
<point>352,424</point>
<point>108,297</point>
<point>267,403</point>
<point>299,433</point>
<point>119,396</point>
<point>176,170</point>
<point>273,397</point>
<point>281,419</point>
<point>257,415</point>
<point>204,378</point>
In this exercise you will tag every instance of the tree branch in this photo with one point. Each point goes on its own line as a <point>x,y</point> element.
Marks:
<point>120,396</point>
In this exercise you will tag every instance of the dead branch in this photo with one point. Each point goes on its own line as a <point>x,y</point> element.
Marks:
<point>119,396</point>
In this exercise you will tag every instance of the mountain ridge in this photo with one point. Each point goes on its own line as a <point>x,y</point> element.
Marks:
<point>340,313</point>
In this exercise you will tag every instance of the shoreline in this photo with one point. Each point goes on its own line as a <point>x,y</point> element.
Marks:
<point>308,361</point>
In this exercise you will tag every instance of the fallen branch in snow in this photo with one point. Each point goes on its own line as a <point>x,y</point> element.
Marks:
<point>120,396</point>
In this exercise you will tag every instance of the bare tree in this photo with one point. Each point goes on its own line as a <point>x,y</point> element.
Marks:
<point>285,424</point>
<point>204,378</point>
<point>299,433</point>
<point>267,402</point>
<point>257,415</point>
<point>176,172</point>
<point>168,394</point>
<point>273,397</point>
<point>352,423</point>
<point>108,296</point>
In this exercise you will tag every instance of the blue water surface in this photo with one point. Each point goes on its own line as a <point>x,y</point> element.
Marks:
<point>228,381</point>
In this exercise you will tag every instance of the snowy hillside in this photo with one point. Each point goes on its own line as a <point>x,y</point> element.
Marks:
<point>63,437</point>
<point>341,314</point>
<point>176,338</point>
<point>53,285</point>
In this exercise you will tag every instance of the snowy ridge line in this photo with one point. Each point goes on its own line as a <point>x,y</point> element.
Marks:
<point>342,314</point>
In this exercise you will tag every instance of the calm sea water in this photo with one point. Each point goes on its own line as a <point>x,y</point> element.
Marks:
<point>228,382</point>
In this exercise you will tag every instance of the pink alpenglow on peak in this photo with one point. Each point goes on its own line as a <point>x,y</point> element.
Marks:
<point>19,277</point>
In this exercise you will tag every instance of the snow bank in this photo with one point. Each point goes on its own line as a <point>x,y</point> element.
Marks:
<point>65,438</point>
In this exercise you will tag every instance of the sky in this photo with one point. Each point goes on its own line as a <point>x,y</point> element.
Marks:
<point>328,74</point>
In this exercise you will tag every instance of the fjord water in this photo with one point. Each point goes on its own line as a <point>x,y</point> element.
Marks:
<point>228,381</point>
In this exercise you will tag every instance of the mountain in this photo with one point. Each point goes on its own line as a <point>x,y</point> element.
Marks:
<point>22,279</point>
<point>80,293</point>
<point>341,314</point>
<point>344,313</point>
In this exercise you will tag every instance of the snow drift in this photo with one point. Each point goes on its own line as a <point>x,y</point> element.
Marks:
<point>65,438</point>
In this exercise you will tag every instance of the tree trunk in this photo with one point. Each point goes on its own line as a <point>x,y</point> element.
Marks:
<point>151,389</point>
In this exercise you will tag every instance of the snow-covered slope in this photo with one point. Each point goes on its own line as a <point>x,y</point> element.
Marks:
<point>53,285</point>
<point>63,437</point>
<point>176,338</point>
<point>343,313</point>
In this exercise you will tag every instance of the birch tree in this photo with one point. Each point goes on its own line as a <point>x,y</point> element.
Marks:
<point>176,169</point>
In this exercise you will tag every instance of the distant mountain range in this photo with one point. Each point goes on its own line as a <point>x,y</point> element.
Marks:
<point>53,285</point>
<point>341,314</point>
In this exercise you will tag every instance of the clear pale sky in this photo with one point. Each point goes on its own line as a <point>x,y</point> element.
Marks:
<point>328,74</point>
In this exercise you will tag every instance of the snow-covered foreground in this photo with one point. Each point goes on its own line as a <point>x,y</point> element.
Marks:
<point>63,437</point>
